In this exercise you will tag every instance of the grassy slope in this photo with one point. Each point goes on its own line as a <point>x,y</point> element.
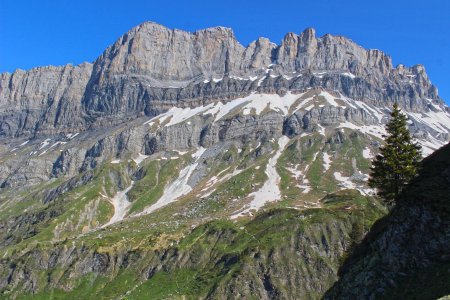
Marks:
<point>229,246</point>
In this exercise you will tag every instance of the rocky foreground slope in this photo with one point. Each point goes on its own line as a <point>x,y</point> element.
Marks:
<point>406,254</point>
<point>169,130</point>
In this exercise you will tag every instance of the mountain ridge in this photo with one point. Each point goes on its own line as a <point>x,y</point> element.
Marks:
<point>123,84</point>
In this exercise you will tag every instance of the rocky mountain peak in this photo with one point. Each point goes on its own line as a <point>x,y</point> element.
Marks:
<point>152,68</point>
<point>218,32</point>
<point>162,54</point>
<point>308,35</point>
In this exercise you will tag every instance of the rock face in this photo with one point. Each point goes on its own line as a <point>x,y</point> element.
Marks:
<point>152,68</point>
<point>45,100</point>
<point>406,254</point>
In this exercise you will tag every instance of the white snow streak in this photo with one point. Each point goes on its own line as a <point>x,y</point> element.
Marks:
<point>344,181</point>
<point>300,177</point>
<point>253,103</point>
<point>177,188</point>
<point>24,143</point>
<point>215,180</point>
<point>348,74</point>
<point>321,129</point>
<point>141,157</point>
<point>121,205</point>
<point>45,143</point>
<point>270,191</point>
<point>52,146</point>
<point>326,161</point>
<point>375,130</point>
<point>71,135</point>
<point>329,98</point>
<point>309,107</point>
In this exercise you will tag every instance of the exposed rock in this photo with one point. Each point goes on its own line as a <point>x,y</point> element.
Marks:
<point>406,253</point>
<point>152,68</point>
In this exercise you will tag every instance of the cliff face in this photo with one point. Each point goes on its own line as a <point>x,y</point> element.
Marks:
<point>406,254</point>
<point>45,100</point>
<point>152,68</point>
<point>152,65</point>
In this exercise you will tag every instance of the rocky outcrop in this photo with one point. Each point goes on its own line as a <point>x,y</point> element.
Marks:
<point>406,254</point>
<point>45,100</point>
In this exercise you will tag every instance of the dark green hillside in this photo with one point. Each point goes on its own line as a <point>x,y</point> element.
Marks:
<point>407,253</point>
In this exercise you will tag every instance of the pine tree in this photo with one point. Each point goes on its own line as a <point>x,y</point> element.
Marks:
<point>398,160</point>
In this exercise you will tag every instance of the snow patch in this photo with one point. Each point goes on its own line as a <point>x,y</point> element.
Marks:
<point>257,103</point>
<point>261,80</point>
<point>182,114</point>
<point>345,182</point>
<point>45,143</point>
<point>321,129</point>
<point>438,120</point>
<point>24,143</point>
<point>366,153</point>
<point>319,74</point>
<point>180,152</point>
<point>215,180</point>
<point>141,157</point>
<point>309,107</point>
<point>348,74</point>
<point>270,191</point>
<point>177,188</point>
<point>300,177</point>
<point>71,136</point>
<point>375,130</point>
<point>374,111</point>
<point>430,144</point>
<point>326,161</point>
<point>329,98</point>
<point>52,146</point>
<point>121,205</point>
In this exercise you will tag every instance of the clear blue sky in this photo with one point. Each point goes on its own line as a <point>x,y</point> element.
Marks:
<point>56,32</point>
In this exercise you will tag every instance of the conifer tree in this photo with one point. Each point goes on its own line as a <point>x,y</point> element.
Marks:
<point>398,160</point>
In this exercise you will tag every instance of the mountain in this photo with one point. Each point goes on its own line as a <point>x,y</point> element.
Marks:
<point>169,131</point>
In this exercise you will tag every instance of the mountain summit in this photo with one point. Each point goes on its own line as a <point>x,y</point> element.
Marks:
<point>151,68</point>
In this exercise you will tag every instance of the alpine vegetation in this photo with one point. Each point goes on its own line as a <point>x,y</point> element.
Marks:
<point>397,161</point>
